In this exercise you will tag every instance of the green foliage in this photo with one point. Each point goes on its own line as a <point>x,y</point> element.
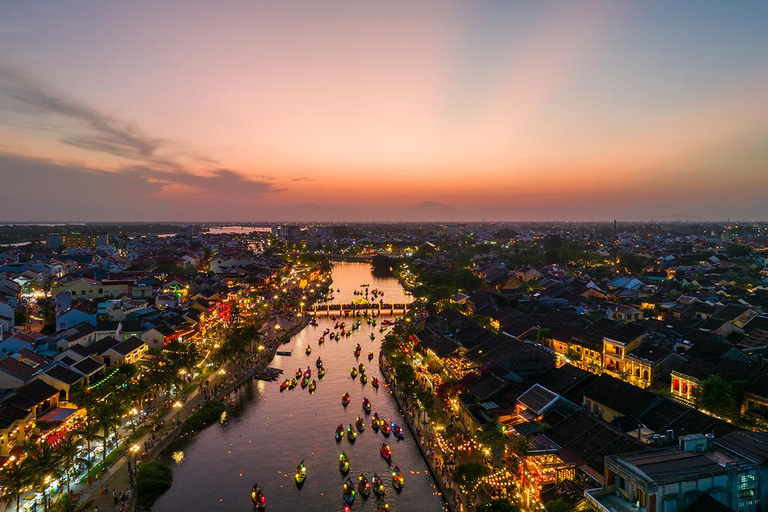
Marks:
<point>559,505</point>
<point>469,474</point>
<point>207,415</point>
<point>632,263</point>
<point>498,506</point>
<point>492,435</point>
<point>384,265</point>
<point>737,251</point>
<point>720,398</point>
<point>153,479</point>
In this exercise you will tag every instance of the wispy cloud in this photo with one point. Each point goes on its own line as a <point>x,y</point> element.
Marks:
<point>302,178</point>
<point>97,131</point>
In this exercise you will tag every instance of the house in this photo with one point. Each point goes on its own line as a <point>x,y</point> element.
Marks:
<point>610,398</point>
<point>7,317</point>
<point>648,364</point>
<point>159,336</point>
<point>623,313</point>
<point>14,373</point>
<point>80,334</point>
<point>62,378</point>
<point>75,315</point>
<point>125,352</point>
<point>15,425</point>
<point>90,368</point>
<point>618,344</point>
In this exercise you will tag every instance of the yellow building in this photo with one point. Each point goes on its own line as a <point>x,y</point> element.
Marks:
<point>88,289</point>
<point>617,345</point>
<point>77,240</point>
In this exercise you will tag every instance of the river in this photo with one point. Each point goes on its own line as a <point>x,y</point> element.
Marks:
<point>274,431</point>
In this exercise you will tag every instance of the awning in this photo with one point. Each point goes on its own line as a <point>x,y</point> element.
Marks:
<point>56,415</point>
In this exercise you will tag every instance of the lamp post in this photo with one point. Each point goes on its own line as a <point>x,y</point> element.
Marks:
<point>133,412</point>
<point>177,405</point>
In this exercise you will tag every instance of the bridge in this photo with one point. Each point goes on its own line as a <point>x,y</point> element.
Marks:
<point>356,309</point>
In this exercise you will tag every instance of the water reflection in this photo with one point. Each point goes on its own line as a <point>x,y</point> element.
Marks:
<point>269,432</point>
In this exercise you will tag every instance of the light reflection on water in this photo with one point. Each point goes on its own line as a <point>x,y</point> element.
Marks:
<point>269,432</point>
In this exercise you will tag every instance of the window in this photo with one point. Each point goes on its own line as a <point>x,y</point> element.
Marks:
<point>746,486</point>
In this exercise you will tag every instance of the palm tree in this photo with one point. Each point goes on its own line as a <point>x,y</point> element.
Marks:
<point>68,451</point>
<point>108,414</point>
<point>45,463</point>
<point>15,478</point>
<point>89,431</point>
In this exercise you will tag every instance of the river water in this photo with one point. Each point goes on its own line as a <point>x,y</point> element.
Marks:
<point>274,431</point>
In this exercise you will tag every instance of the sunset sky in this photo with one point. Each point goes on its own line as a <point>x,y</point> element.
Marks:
<point>395,110</point>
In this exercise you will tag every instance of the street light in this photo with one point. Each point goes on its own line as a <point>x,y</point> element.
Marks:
<point>177,405</point>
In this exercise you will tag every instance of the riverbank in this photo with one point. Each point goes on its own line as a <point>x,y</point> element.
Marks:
<point>153,445</point>
<point>451,497</point>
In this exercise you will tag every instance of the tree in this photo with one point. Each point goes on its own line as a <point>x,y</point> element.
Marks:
<point>108,414</point>
<point>152,480</point>
<point>89,431</point>
<point>72,504</point>
<point>498,506</point>
<point>15,478</point>
<point>45,463</point>
<point>559,505</point>
<point>67,452</point>
<point>492,435</point>
<point>720,397</point>
<point>469,474</point>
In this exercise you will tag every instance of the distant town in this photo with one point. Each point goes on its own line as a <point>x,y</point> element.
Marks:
<point>613,367</point>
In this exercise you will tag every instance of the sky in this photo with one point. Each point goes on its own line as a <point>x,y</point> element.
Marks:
<point>400,110</point>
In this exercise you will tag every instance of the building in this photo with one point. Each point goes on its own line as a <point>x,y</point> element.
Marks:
<point>76,240</point>
<point>672,479</point>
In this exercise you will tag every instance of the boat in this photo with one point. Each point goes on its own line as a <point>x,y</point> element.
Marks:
<point>312,386</point>
<point>313,322</point>
<point>370,356</point>
<point>321,373</point>
<point>321,340</point>
<point>367,406</point>
<point>308,373</point>
<point>397,479</point>
<point>304,382</point>
<point>343,463</point>
<point>363,379</point>
<point>283,353</point>
<point>345,399</point>
<point>293,383</point>
<point>309,350</point>
<point>375,422</point>
<point>349,492</point>
<point>301,473</point>
<point>363,485</point>
<point>383,328</point>
<point>360,424</point>
<point>383,507</point>
<point>386,452</point>
<point>298,373</point>
<point>285,385</point>
<point>397,431</point>
<point>378,486</point>
<point>319,363</point>
<point>353,372</point>
<point>361,368</point>
<point>257,497</point>
<point>375,383</point>
<point>373,336</point>
<point>339,432</point>
<point>385,428</point>
<point>351,434</point>
<point>326,332</point>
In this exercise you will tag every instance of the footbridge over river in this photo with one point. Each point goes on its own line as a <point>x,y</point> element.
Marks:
<point>357,309</point>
